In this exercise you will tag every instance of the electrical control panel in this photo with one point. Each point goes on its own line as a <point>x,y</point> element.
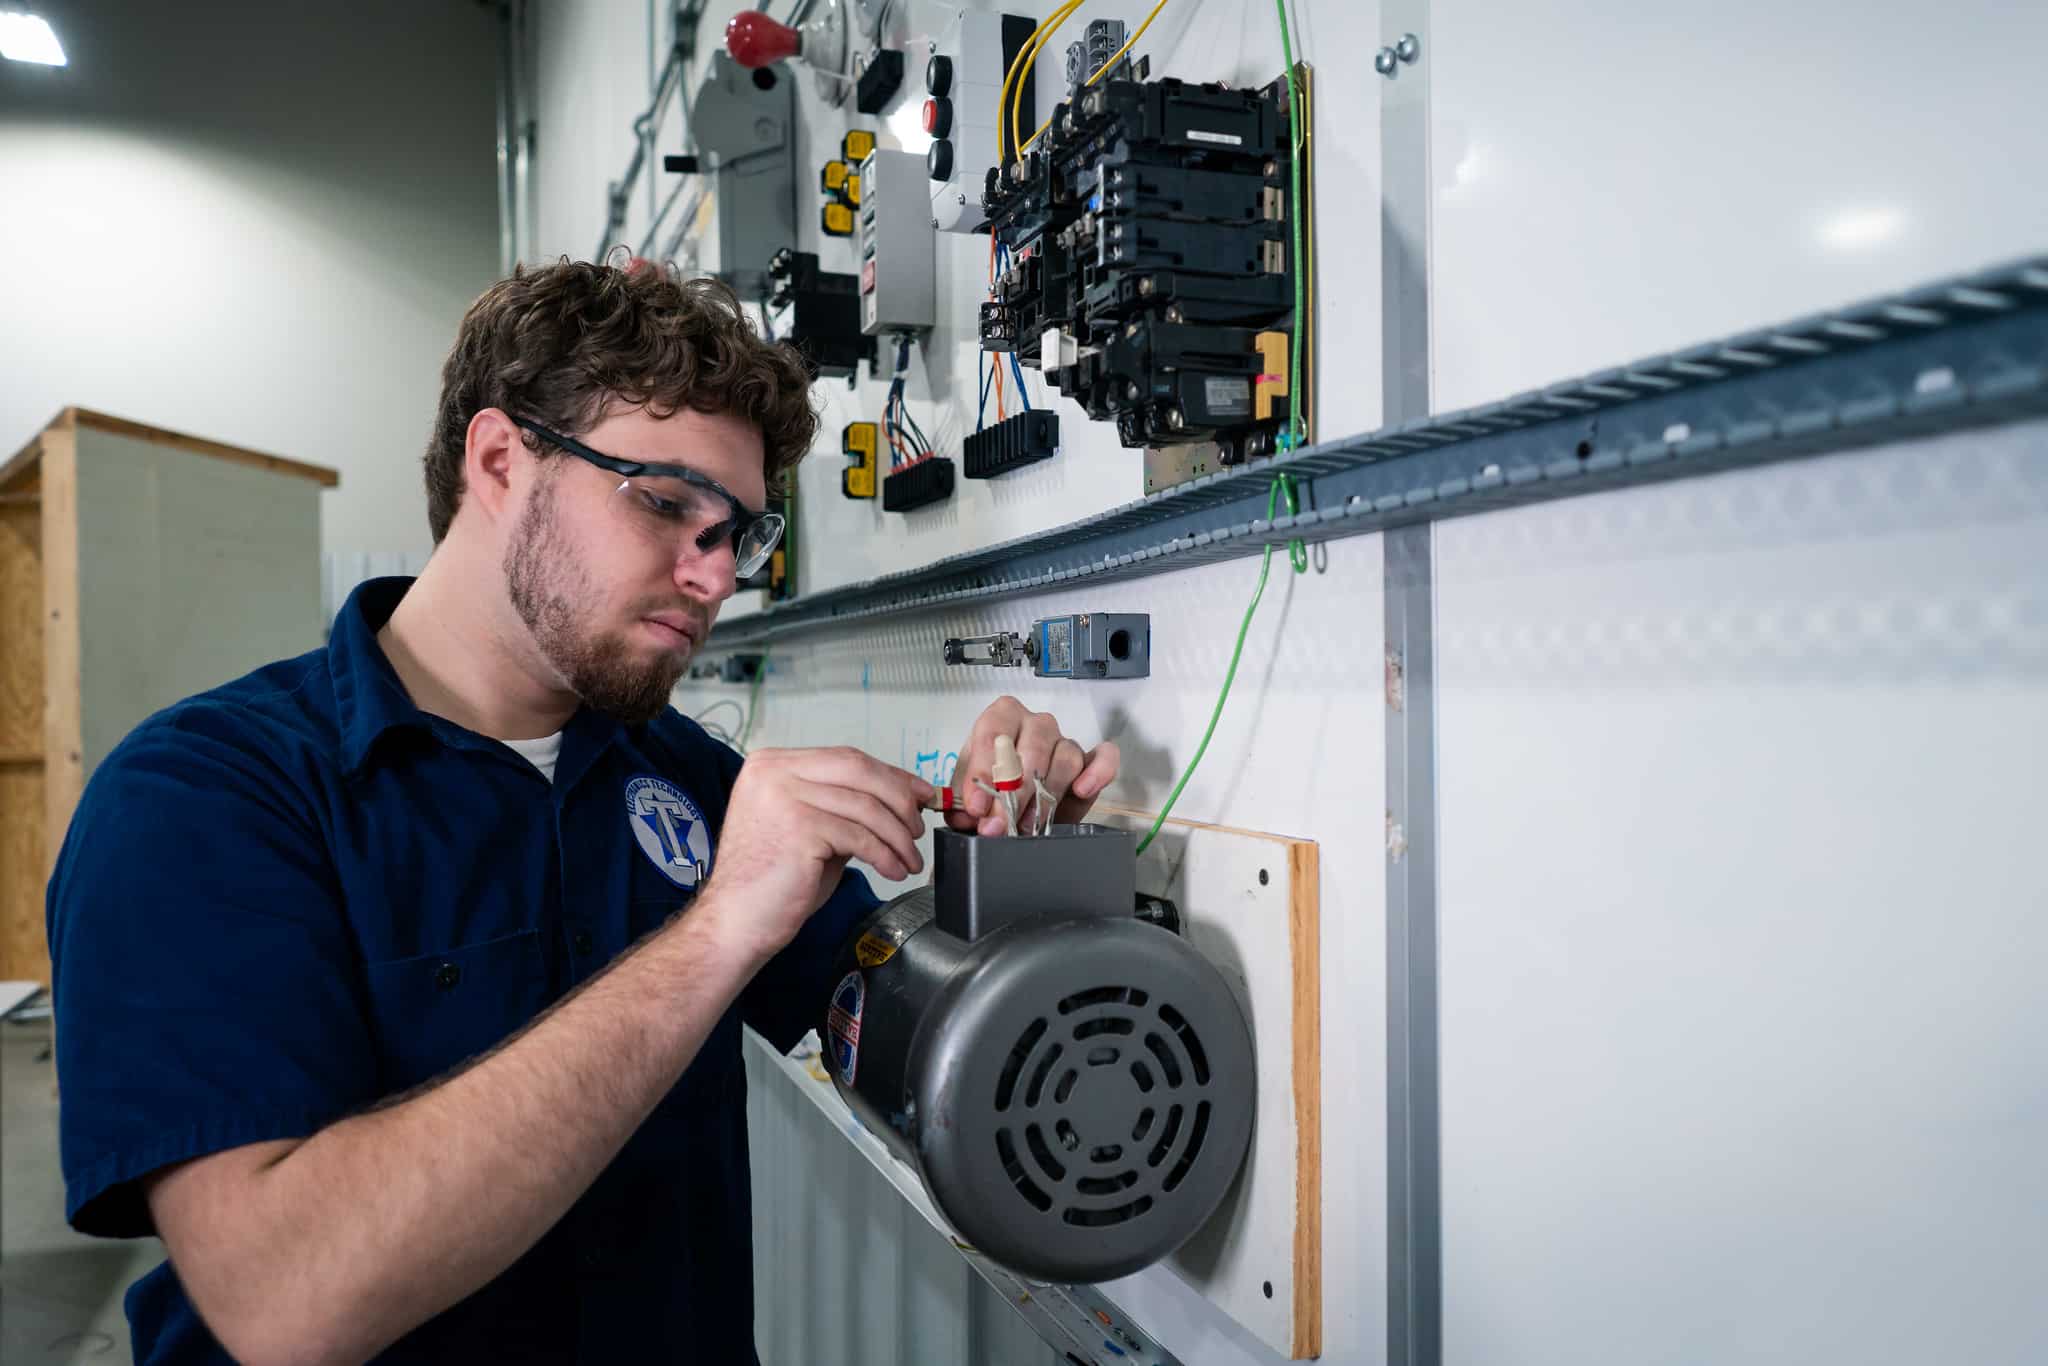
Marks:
<point>963,84</point>
<point>1148,269</point>
<point>898,253</point>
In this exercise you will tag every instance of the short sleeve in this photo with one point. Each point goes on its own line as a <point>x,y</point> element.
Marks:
<point>787,997</point>
<point>204,976</point>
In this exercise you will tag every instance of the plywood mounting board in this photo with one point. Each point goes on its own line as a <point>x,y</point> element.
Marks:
<point>1251,902</point>
<point>22,953</point>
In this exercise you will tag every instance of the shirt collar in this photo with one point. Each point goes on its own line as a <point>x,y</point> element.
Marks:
<point>370,701</point>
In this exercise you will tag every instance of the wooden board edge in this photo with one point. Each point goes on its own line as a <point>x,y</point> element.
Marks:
<point>25,459</point>
<point>1305,931</point>
<point>63,734</point>
<point>199,445</point>
<point>1304,870</point>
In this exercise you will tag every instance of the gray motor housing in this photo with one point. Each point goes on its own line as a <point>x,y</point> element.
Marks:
<point>1074,1085</point>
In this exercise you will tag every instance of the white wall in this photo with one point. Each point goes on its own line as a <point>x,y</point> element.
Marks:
<point>1718,761</point>
<point>256,223</point>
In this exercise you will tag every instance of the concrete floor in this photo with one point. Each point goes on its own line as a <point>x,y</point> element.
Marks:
<point>60,1293</point>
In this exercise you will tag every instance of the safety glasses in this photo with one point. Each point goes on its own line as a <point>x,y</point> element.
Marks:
<point>672,507</point>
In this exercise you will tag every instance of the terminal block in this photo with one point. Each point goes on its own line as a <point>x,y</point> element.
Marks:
<point>927,481</point>
<point>1013,443</point>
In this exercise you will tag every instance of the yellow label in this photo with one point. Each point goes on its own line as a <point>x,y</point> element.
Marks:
<point>836,173</point>
<point>857,143</point>
<point>838,220</point>
<point>851,190</point>
<point>872,951</point>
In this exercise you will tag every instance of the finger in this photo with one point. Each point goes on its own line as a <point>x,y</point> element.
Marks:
<point>869,810</point>
<point>1097,773</point>
<point>850,837</point>
<point>1036,740</point>
<point>902,791</point>
<point>1067,763</point>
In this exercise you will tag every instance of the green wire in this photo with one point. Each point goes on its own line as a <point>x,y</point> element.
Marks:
<point>1294,212</point>
<point>753,701</point>
<point>1281,485</point>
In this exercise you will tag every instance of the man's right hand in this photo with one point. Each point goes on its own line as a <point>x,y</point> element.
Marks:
<point>794,818</point>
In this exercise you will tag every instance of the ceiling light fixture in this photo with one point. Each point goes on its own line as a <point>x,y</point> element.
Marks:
<point>28,38</point>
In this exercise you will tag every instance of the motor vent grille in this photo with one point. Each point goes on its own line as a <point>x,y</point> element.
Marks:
<point>1102,1107</point>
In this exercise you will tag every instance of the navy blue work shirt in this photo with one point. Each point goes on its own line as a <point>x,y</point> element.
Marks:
<point>286,899</point>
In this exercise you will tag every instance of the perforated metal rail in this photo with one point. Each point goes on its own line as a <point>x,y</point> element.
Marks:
<point>1962,352</point>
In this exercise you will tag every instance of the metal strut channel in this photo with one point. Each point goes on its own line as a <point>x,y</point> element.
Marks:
<point>1962,352</point>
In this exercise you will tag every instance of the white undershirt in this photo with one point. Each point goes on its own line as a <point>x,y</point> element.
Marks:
<point>541,753</point>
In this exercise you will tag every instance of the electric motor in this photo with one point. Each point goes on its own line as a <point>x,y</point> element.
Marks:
<point>1072,1082</point>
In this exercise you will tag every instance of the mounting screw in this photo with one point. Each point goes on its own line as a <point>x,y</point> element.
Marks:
<point>1174,419</point>
<point>1385,62</point>
<point>1131,392</point>
<point>1173,313</point>
<point>1409,48</point>
<point>1145,287</point>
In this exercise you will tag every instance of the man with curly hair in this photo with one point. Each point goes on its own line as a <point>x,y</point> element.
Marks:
<point>400,985</point>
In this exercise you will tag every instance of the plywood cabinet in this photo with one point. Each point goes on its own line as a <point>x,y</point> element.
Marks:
<point>137,566</point>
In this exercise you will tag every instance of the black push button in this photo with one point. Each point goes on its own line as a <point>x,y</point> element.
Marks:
<point>938,75</point>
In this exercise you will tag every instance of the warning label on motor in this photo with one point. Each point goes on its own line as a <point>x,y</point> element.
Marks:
<point>842,1026</point>
<point>886,932</point>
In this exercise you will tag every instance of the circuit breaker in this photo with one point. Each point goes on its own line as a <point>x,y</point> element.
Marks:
<point>1149,276</point>
<point>898,252</point>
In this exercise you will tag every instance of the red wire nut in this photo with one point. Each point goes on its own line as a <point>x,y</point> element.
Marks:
<point>755,40</point>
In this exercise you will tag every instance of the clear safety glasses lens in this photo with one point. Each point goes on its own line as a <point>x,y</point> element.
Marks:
<point>676,518</point>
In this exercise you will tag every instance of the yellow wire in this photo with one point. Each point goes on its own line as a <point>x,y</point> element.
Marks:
<point>1026,59</point>
<point>1012,77</point>
<point>1104,69</point>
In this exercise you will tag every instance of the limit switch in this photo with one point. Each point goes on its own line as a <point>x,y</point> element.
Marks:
<point>1084,645</point>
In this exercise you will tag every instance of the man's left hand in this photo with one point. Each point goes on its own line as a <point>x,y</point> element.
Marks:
<point>1074,777</point>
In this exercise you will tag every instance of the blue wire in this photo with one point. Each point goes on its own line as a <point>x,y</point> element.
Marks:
<point>987,373</point>
<point>1018,371</point>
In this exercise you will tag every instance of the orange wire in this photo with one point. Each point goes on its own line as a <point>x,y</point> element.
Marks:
<point>995,357</point>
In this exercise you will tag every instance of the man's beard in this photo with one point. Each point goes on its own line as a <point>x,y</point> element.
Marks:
<point>550,591</point>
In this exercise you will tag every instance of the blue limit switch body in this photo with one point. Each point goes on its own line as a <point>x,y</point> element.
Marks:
<point>1081,645</point>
